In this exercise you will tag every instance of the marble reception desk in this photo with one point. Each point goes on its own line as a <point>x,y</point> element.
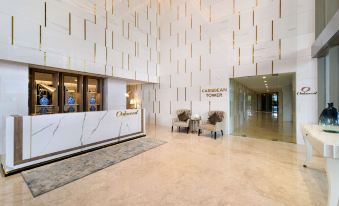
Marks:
<point>327,144</point>
<point>31,140</point>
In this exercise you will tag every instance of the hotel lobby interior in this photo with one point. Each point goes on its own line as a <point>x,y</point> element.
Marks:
<point>169,102</point>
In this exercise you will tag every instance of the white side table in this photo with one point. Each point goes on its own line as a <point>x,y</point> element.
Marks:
<point>328,145</point>
<point>195,124</point>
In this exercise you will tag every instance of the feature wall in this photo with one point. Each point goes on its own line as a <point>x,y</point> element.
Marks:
<point>113,38</point>
<point>206,42</point>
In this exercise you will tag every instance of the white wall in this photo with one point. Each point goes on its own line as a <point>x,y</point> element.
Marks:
<point>111,38</point>
<point>114,94</point>
<point>13,92</point>
<point>206,44</point>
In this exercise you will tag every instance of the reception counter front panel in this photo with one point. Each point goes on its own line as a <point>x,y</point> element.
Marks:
<point>31,140</point>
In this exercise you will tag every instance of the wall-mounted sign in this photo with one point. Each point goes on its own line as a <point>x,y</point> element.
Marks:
<point>213,93</point>
<point>126,113</point>
<point>306,91</point>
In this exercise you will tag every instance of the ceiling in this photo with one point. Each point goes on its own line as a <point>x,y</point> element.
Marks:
<point>274,82</point>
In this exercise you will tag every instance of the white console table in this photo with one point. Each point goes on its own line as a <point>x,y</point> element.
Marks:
<point>327,144</point>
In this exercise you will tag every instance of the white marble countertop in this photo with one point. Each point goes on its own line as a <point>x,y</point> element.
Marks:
<point>324,142</point>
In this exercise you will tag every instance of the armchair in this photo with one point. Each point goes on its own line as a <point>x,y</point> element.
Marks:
<point>218,126</point>
<point>177,123</point>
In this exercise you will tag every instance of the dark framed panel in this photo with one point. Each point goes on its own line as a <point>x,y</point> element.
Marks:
<point>93,93</point>
<point>43,92</point>
<point>71,92</point>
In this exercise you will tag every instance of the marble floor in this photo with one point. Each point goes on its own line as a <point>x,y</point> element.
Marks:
<point>191,170</point>
<point>269,126</point>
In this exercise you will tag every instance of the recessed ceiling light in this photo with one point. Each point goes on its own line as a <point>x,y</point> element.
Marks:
<point>265,81</point>
<point>264,77</point>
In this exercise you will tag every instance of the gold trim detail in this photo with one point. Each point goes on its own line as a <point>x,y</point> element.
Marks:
<point>12,30</point>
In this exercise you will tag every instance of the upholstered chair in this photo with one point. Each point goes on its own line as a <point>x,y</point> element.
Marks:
<point>206,125</point>
<point>179,124</point>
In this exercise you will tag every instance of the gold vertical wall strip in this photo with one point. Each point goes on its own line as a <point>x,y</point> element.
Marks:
<point>256,34</point>
<point>272,67</point>
<point>95,52</point>
<point>40,37</point>
<point>280,9</point>
<point>200,32</point>
<point>191,21</point>
<point>170,81</point>
<point>128,3</point>
<point>272,30</point>
<point>135,49</point>
<point>128,30</point>
<point>85,29</point>
<point>239,53</point>
<point>252,54</point>
<point>200,4</point>
<point>233,42</point>
<point>191,79</point>
<point>147,15</point>
<point>191,50</point>
<point>69,23</point>
<point>200,63</point>
<point>45,14</point>
<point>123,28</point>
<point>170,55</point>
<point>95,13</point>
<point>170,107</point>
<point>233,73</point>
<point>128,62</point>
<point>135,19</point>
<point>253,18</point>
<point>239,20</point>
<point>210,13</point>
<point>279,49</point>
<point>12,30</point>
<point>256,69</point>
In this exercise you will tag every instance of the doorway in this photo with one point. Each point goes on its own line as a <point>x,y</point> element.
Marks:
<point>263,107</point>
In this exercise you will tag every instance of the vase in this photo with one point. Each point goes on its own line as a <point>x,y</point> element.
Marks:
<point>329,116</point>
<point>70,100</point>
<point>43,110</point>
<point>92,100</point>
<point>71,109</point>
<point>92,108</point>
<point>44,100</point>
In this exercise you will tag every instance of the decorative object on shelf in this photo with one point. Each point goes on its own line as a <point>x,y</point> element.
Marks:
<point>43,110</point>
<point>70,100</point>
<point>71,109</point>
<point>92,108</point>
<point>44,100</point>
<point>329,116</point>
<point>92,100</point>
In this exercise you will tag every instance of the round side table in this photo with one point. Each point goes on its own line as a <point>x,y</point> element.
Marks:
<point>195,124</point>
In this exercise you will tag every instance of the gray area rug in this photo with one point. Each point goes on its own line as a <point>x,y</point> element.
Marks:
<point>49,177</point>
